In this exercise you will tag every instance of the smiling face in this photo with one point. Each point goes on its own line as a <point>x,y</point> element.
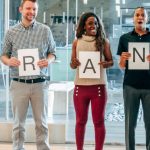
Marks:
<point>91,25</point>
<point>140,18</point>
<point>29,11</point>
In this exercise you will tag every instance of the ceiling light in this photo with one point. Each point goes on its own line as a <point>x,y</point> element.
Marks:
<point>117,1</point>
<point>145,4</point>
<point>85,1</point>
<point>127,10</point>
<point>118,10</point>
<point>123,1</point>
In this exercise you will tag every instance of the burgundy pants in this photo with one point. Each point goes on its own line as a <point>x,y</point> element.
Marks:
<point>83,95</point>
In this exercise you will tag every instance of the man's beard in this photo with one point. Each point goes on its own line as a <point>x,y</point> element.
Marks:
<point>28,18</point>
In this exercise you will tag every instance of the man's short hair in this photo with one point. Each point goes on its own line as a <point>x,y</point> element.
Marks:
<point>23,1</point>
<point>139,7</point>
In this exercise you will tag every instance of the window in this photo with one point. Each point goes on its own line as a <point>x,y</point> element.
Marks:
<point>61,17</point>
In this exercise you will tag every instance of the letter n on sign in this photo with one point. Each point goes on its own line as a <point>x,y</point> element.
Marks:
<point>139,51</point>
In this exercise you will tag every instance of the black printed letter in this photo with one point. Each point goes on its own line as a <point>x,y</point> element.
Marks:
<point>135,51</point>
<point>92,67</point>
<point>25,62</point>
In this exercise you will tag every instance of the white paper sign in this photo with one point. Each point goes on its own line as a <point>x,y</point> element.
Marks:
<point>89,67</point>
<point>139,52</point>
<point>28,59</point>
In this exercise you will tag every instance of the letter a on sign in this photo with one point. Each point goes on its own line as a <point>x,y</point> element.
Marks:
<point>28,59</point>
<point>89,67</point>
<point>139,52</point>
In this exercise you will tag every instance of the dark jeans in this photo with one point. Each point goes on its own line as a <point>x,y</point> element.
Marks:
<point>132,99</point>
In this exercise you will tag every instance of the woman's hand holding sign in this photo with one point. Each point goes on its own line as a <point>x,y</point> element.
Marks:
<point>74,63</point>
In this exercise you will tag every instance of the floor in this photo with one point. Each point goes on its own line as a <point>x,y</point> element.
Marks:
<point>8,146</point>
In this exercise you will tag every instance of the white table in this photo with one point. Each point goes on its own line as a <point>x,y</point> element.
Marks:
<point>59,94</point>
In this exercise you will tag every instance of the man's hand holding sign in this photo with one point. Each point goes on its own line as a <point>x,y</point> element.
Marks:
<point>14,62</point>
<point>123,58</point>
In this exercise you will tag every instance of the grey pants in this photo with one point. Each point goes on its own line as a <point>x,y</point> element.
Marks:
<point>21,95</point>
<point>132,98</point>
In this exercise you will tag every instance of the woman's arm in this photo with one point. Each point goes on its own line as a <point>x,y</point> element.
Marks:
<point>74,61</point>
<point>108,62</point>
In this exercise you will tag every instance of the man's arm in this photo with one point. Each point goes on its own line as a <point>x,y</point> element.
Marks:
<point>10,61</point>
<point>123,58</point>
<point>51,58</point>
<point>45,62</point>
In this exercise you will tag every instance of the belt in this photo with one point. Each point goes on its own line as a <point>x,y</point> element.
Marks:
<point>37,80</point>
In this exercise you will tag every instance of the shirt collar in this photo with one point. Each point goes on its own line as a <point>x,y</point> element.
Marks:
<point>135,33</point>
<point>32,26</point>
<point>88,38</point>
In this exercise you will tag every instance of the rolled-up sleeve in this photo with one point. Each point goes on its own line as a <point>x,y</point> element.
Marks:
<point>51,42</point>
<point>7,45</point>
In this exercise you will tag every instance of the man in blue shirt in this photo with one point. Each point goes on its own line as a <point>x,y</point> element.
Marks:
<point>29,34</point>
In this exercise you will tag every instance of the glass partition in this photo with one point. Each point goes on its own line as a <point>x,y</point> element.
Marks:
<point>4,94</point>
<point>62,16</point>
